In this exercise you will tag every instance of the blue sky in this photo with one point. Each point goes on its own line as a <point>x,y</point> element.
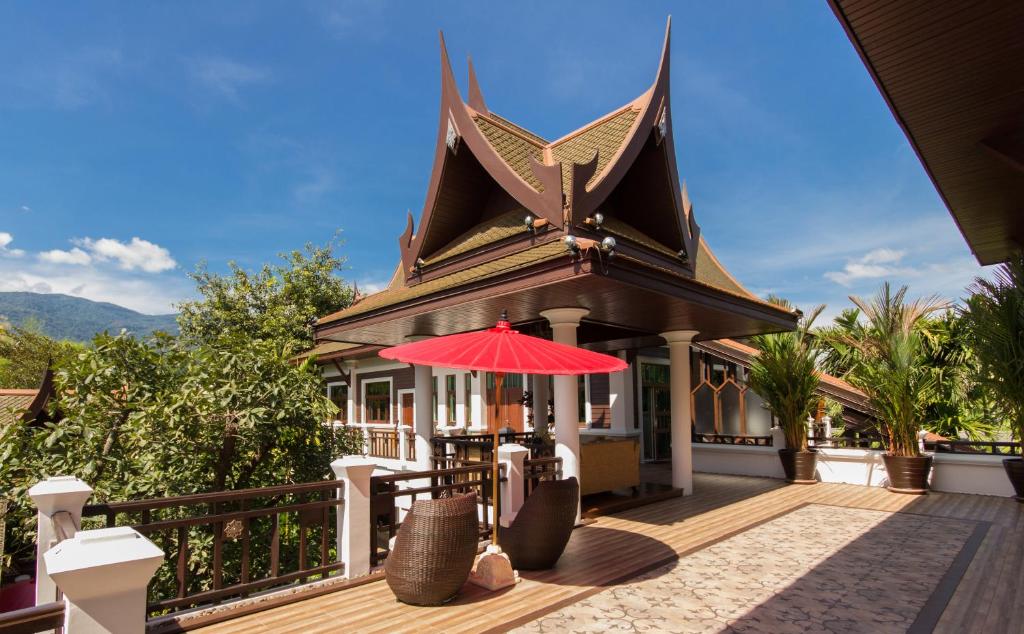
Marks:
<point>138,139</point>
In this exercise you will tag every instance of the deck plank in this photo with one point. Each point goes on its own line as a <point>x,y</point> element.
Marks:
<point>619,546</point>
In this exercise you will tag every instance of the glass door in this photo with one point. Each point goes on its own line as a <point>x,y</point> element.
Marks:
<point>656,411</point>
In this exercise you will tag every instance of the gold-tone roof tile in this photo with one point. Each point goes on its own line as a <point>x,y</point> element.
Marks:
<point>498,228</point>
<point>514,148</point>
<point>631,233</point>
<point>604,137</point>
<point>385,298</point>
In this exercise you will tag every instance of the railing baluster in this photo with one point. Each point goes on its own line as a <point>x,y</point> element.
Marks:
<point>275,544</point>
<point>182,570</point>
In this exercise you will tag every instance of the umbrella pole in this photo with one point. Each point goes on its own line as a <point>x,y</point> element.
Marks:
<point>499,387</point>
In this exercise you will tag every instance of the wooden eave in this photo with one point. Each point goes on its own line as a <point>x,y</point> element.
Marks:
<point>618,293</point>
<point>952,73</point>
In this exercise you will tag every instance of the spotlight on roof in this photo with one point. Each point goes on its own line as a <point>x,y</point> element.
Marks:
<point>571,244</point>
<point>608,244</point>
<point>682,256</point>
<point>528,220</point>
<point>595,220</point>
<point>533,224</point>
<point>420,263</point>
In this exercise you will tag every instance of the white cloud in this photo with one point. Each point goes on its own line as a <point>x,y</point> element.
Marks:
<point>25,208</point>
<point>320,182</point>
<point>136,254</point>
<point>227,77</point>
<point>74,256</point>
<point>874,264</point>
<point>5,240</point>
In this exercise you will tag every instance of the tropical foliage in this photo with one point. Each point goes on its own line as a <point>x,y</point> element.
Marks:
<point>25,353</point>
<point>784,373</point>
<point>995,320</point>
<point>223,406</point>
<point>888,360</point>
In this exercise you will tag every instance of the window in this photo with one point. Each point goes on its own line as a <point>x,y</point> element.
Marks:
<point>377,401</point>
<point>467,399</point>
<point>449,398</point>
<point>338,393</point>
<point>434,383</point>
<point>581,397</point>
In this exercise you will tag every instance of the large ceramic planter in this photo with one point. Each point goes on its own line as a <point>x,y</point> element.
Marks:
<point>799,466</point>
<point>1015,471</point>
<point>908,474</point>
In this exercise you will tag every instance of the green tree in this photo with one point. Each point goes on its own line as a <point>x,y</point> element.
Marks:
<point>276,302</point>
<point>995,320</point>
<point>890,364</point>
<point>784,373</point>
<point>25,353</point>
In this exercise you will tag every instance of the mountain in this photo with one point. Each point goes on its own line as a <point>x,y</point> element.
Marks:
<point>77,319</point>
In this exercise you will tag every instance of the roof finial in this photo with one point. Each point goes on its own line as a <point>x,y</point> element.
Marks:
<point>476,97</point>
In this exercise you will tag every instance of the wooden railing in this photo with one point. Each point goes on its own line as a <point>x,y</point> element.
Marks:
<point>728,439</point>
<point>868,441</point>
<point>386,490</point>
<point>230,544</point>
<point>537,470</point>
<point>410,444</point>
<point>45,617</point>
<point>476,447</point>
<point>383,443</point>
<point>998,448</point>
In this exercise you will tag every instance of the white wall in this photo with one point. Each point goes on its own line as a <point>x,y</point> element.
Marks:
<point>954,473</point>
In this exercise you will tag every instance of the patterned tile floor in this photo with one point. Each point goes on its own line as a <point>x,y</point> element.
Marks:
<point>817,569</point>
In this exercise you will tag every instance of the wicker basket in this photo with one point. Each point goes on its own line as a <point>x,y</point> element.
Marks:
<point>434,550</point>
<point>537,537</point>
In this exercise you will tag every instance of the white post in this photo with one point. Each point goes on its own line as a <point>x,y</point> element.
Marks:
<point>541,397</point>
<point>423,426</point>
<point>512,456</point>
<point>564,322</point>
<point>350,405</point>
<point>620,399</point>
<point>355,537</point>
<point>54,495</point>
<point>103,574</point>
<point>679,394</point>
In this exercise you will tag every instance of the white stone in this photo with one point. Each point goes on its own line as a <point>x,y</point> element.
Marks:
<point>493,570</point>
<point>54,495</point>
<point>354,535</point>
<point>512,456</point>
<point>103,574</point>
<point>679,394</point>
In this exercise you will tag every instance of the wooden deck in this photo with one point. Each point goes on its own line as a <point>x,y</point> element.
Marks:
<point>615,548</point>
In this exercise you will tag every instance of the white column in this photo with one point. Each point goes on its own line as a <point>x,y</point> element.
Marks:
<point>620,398</point>
<point>354,531</point>
<point>512,456</point>
<point>679,393</point>
<point>423,425</point>
<point>103,574</point>
<point>351,405</point>
<point>540,400</point>
<point>564,322</point>
<point>54,495</point>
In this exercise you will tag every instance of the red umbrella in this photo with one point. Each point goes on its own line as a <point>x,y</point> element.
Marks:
<point>500,350</point>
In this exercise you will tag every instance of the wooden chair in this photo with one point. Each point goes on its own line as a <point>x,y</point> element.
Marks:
<point>434,550</point>
<point>537,537</point>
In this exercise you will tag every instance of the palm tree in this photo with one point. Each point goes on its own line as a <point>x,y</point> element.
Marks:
<point>784,374</point>
<point>995,319</point>
<point>890,366</point>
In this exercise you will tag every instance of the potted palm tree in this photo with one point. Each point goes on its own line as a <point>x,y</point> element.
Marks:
<point>995,318</point>
<point>785,375</point>
<point>891,368</point>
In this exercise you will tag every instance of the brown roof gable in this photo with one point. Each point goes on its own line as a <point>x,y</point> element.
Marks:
<point>481,158</point>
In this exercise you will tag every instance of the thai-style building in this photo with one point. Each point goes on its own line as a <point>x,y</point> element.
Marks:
<point>589,239</point>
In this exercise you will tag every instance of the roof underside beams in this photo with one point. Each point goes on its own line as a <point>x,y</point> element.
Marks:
<point>953,75</point>
<point>638,301</point>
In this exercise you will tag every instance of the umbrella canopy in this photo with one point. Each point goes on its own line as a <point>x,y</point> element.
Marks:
<point>501,349</point>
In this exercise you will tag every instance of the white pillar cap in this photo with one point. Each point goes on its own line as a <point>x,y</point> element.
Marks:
<point>59,493</point>
<point>102,562</point>
<point>352,466</point>
<point>560,316</point>
<point>679,336</point>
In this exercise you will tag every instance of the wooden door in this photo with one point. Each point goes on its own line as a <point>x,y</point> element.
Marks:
<point>407,409</point>
<point>511,414</point>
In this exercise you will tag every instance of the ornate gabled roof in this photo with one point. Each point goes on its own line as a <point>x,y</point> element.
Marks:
<point>490,175</point>
<point>484,156</point>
